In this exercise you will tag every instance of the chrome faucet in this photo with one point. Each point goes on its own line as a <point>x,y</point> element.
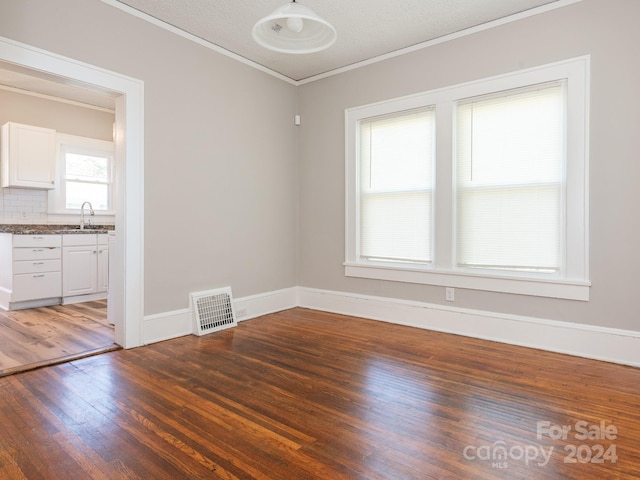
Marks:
<point>91,212</point>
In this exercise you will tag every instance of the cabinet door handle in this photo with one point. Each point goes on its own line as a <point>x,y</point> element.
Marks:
<point>37,250</point>
<point>39,276</point>
<point>94,251</point>
<point>38,263</point>
<point>36,237</point>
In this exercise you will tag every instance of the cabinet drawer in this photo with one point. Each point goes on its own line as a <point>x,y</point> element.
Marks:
<point>33,286</point>
<point>36,253</point>
<point>37,241</point>
<point>36,266</point>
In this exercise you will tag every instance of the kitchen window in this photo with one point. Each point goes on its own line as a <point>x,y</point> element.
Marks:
<point>84,172</point>
<point>481,185</point>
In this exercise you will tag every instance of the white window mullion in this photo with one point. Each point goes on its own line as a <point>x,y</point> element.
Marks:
<point>444,197</point>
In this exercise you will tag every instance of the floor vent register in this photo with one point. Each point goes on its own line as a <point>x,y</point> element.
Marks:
<point>212,311</point>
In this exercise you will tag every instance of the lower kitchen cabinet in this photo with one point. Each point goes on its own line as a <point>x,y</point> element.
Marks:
<point>30,270</point>
<point>48,269</point>
<point>85,267</point>
<point>103,263</point>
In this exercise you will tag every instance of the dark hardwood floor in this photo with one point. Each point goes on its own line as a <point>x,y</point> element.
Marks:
<point>43,336</point>
<point>309,395</point>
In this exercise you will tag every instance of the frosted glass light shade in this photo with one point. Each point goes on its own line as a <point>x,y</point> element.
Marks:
<point>294,28</point>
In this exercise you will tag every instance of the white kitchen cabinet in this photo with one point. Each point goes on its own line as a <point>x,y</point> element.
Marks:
<point>28,156</point>
<point>30,270</point>
<point>80,274</point>
<point>85,259</point>
<point>112,299</point>
<point>103,263</point>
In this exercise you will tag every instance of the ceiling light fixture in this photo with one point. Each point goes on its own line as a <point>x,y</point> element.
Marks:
<point>294,28</point>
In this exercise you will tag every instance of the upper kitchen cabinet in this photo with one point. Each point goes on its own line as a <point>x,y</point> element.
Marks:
<point>28,156</point>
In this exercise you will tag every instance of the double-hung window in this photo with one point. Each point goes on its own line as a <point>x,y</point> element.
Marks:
<point>85,172</point>
<point>509,179</point>
<point>396,187</point>
<point>481,185</point>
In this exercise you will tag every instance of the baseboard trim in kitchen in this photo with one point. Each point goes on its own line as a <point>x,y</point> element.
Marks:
<point>84,298</point>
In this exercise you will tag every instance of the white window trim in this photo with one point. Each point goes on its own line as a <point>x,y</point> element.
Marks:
<point>443,272</point>
<point>56,203</point>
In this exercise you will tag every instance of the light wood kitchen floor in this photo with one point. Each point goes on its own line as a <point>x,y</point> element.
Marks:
<point>45,336</point>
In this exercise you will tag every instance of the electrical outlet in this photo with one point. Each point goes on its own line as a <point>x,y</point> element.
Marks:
<point>450,294</point>
<point>24,214</point>
<point>241,312</point>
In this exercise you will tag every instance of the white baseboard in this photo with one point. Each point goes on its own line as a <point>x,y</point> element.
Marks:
<point>42,302</point>
<point>254,306</point>
<point>84,298</point>
<point>600,343</point>
<point>167,325</point>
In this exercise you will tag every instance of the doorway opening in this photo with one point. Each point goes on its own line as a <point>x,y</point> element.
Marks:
<point>126,305</point>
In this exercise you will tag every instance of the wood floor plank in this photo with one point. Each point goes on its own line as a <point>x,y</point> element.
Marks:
<point>41,336</point>
<point>309,395</point>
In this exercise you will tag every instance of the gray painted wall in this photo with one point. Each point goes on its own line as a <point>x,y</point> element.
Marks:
<point>62,117</point>
<point>220,170</point>
<point>605,30</point>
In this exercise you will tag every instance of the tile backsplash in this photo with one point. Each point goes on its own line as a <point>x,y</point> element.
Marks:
<point>23,206</point>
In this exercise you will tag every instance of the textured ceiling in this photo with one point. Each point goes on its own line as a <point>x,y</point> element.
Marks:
<point>366,28</point>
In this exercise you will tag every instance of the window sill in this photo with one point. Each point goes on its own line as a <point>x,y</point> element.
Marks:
<point>76,213</point>
<point>539,287</point>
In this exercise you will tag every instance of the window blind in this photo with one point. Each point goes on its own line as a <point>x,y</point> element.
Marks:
<point>510,165</point>
<point>396,186</point>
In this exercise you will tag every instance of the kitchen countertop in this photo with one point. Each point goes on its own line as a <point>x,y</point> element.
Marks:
<point>23,229</point>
